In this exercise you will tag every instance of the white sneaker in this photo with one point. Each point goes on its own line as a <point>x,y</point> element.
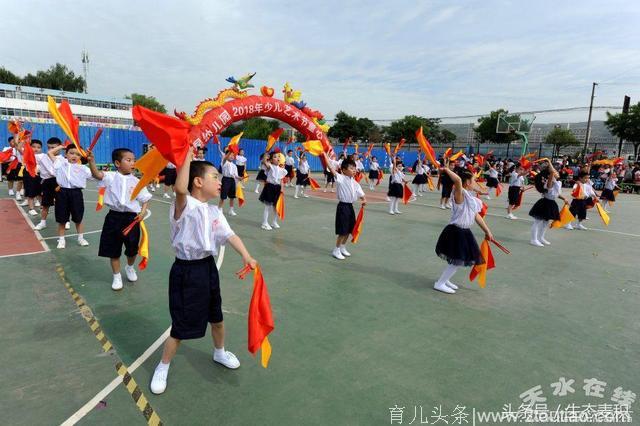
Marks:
<point>61,244</point>
<point>545,242</point>
<point>37,203</point>
<point>398,212</point>
<point>449,206</point>
<point>32,212</point>
<point>488,197</point>
<point>536,243</point>
<point>443,288</point>
<point>568,226</point>
<point>442,207</point>
<point>232,212</point>
<point>296,196</point>
<point>153,188</point>
<point>165,195</point>
<point>82,242</point>
<point>333,190</point>
<point>157,185</point>
<point>159,380</point>
<point>228,359</point>
<point>391,212</point>
<point>266,227</point>
<point>11,193</point>
<point>67,225</point>
<point>512,216</point>
<point>451,285</point>
<point>116,284</point>
<point>305,195</point>
<point>581,226</point>
<point>23,203</point>
<point>337,254</point>
<point>258,191</point>
<point>18,196</point>
<point>325,190</point>
<point>40,226</point>
<point>388,199</point>
<point>131,273</point>
<point>275,225</point>
<point>344,251</point>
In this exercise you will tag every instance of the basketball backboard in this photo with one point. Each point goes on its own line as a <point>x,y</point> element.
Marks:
<point>514,122</point>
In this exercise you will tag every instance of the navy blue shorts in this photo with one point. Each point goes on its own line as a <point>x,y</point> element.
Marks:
<point>69,202</point>
<point>49,191</point>
<point>111,238</point>
<point>345,218</point>
<point>32,185</point>
<point>194,297</point>
<point>228,188</point>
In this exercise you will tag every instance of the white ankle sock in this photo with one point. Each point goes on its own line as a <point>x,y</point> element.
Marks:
<point>80,236</point>
<point>219,352</point>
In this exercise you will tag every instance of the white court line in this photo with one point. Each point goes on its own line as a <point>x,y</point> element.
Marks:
<point>90,405</point>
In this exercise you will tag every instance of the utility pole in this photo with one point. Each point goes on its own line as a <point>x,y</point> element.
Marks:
<point>625,110</point>
<point>85,67</point>
<point>588,134</point>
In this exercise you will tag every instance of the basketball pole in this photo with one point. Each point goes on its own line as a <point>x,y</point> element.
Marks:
<point>525,142</point>
<point>586,137</point>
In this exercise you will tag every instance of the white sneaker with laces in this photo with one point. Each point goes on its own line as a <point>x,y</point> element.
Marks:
<point>61,244</point>
<point>545,242</point>
<point>451,285</point>
<point>82,242</point>
<point>568,226</point>
<point>443,288</point>
<point>266,227</point>
<point>32,212</point>
<point>67,225</point>
<point>130,271</point>
<point>275,225</point>
<point>40,226</point>
<point>391,212</point>
<point>159,380</point>
<point>337,254</point>
<point>227,359</point>
<point>344,251</point>
<point>116,284</point>
<point>442,207</point>
<point>232,212</point>
<point>581,226</point>
<point>536,243</point>
<point>18,196</point>
<point>511,216</point>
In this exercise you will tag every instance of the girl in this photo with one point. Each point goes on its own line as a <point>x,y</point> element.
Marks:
<point>427,171</point>
<point>545,209</point>
<point>420,179</point>
<point>456,243</point>
<point>288,165</point>
<point>169,174</point>
<point>262,174</point>
<point>492,179</point>
<point>374,168</point>
<point>302,176</point>
<point>274,166</point>
<point>445,182</point>
<point>230,178</point>
<point>241,163</point>
<point>516,181</point>
<point>579,203</point>
<point>607,196</point>
<point>395,187</point>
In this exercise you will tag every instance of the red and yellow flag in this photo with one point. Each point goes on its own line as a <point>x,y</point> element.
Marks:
<point>29,158</point>
<point>406,194</point>
<point>603,214</point>
<point>399,146</point>
<point>480,160</point>
<point>357,228</point>
<point>578,192</point>
<point>240,195</point>
<point>143,247</point>
<point>483,210</point>
<point>260,319</point>
<point>280,206</point>
<point>314,147</point>
<point>314,184</point>
<point>380,177</point>
<point>100,202</point>
<point>457,155</point>
<point>235,141</point>
<point>498,189</point>
<point>67,122</point>
<point>447,152</point>
<point>5,156</point>
<point>245,175</point>
<point>430,184</point>
<point>426,147</point>
<point>150,165</point>
<point>565,218</point>
<point>480,271</point>
<point>387,148</point>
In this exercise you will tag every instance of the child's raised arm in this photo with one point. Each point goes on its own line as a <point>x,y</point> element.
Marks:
<point>457,183</point>
<point>181,186</point>
<point>54,151</point>
<point>329,164</point>
<point>97,174</point>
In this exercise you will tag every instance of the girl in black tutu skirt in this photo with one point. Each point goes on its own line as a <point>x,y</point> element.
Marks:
<point>276,171</point>
<point>492,179</point>
<point>607,196</point>
<point>261,178</point>
<point>456,243</point>
<point>546,208</point>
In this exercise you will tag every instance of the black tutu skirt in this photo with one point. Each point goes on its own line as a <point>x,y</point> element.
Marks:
<point>261,175</point>
<point>270,194</point>
<point>492,182</point>
<point>545,209</point>
<point>373,174</point>
<point>608,195</point>
<point>420,179</point>
<point>395,190</point>
<point>289,170</point>
<point>302,179</point>
<point>458,247</point>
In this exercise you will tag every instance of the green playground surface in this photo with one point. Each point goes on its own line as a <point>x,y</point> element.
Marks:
<point>352,338</point>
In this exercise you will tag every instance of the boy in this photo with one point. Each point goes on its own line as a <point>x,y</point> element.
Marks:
<point>72,177</point>
<point>32,185</point>
<point>122,211</point>
<point>197,230</point>
<point>348,191</point>
<point>12,176</point>
<point>49,184</point>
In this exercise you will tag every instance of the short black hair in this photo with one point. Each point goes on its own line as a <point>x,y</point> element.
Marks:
<point>198,169</point>
<point>36,141</point>
<point>54,141</point>
<point>346,163</point>
<point>464,174</point>
<point>118,153</point>
<point>70,147</point>
<point>10,139</point>
<point>290,151</point>
<point>582,174</point>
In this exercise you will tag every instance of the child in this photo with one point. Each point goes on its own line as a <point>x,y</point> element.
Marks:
<point>241,163</point>
<point>426,173</point>
<point>289,163</point>
<point>607,196</point>
<point>420,179</point>
<point>13,176</point>
<point>200,154</point>
<point>445,182</point>
<point>72,177</point>
<point>579,203</point>
<point>230,177</point>
<point>32,185</point>
<point>198,229</point>
<point>348,191</point>
<point>492,179</point>
<point>546,208</point>
<point>516,181</point>
<point>262,174</point>
<point>302,175</point>
<point>396,191</point>
<point>329,180</point>
<point>169,174</point>
<point>456,243</point>
<point>119,186</point>
<point>374,168</point>
<point>272,189</point>
<point>49,184</point>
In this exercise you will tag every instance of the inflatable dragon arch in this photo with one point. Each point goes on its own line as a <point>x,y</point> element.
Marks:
<point>172,137</point>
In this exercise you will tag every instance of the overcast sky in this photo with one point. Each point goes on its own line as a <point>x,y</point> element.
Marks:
<point>379,59</point>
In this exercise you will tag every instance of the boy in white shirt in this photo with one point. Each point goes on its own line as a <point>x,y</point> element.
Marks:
<point>49,184</point>
<point>198,229</point>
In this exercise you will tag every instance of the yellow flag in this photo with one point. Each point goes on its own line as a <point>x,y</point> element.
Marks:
<point>603,214</point>
<point>314,147</point>
<point>565,218</point>
<point>143,246</point>
<point>265,353</point>
<point>235,140</point>
<point>150,165</point>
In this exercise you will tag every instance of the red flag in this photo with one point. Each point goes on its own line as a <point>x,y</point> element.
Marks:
<point>498,190</point>
<point>519,202</point>
<point>12,165</point>
<point>447,152</point>
<point>578,192</point>
<point>397,149</point>
<point>406,194</point>
<point>169,135</point>
<point>346,142</point>
<point>95,139</point>
<point>100,202</point>
<point>273,138</point>
<point>357,228</point>
<point>480,159</point>
<point>426,147</point>
<point>29,159</point>
<point>5,156</point>
<point>358,177</point>
<point>380,176</point>
<point>260,319</point>
<point>483,211</point>
<point>129,227</point>
<point>314,184</point>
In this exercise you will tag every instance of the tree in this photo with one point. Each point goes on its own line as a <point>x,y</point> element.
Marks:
<point>149,102</point>
<point>57,77</point>
<point>445,137</point>
<point>253,128</point>
<point>626,126</point>
<point>406,128</point>
<point>486,129</point>
<point>560,137</point>
<point>345,126</point>
<point>7,77</point>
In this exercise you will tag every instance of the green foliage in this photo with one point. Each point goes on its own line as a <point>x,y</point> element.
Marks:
<point>486,129</point>
<point>57,77</point>
<point>149,102</point>
<point>626,126</point>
